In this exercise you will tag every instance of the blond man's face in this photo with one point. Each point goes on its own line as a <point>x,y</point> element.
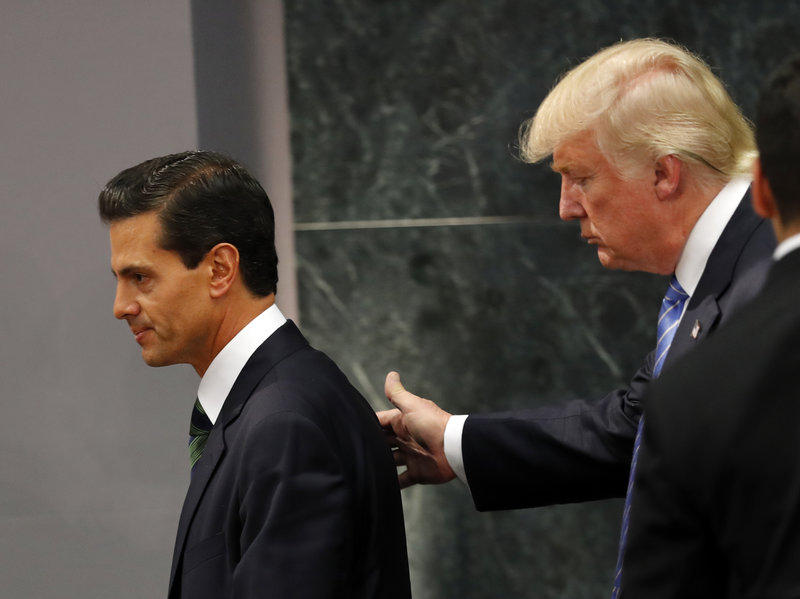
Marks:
<point>619,216</point>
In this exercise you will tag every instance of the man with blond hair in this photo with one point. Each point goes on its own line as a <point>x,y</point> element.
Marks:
<point>718,482</point>
<point>654,159</point>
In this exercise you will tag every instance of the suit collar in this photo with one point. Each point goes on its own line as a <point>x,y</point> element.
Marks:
<point>281,344</point>
<point>718,272</point>
<point>228,363</point>
<point>786,246</point>
<point>784,268</point>
<point>707,231</point>
<point>703,309</point>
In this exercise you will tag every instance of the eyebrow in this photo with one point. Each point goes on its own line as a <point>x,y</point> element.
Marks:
<point>130,269</point>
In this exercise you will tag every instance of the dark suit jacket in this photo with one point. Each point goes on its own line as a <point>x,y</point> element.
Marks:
<point>716,507</point>
<point>296,493</point>
<point>581,450</point>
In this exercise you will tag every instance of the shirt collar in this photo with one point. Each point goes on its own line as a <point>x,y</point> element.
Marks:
<point>707,231</point>
<point>228,363</point>
<point>787,245</point>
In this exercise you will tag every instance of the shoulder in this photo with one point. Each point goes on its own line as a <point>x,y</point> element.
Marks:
<point>307,382</point>
<point>308,387</point>
<point>750,269</point>
<point>755,258</point>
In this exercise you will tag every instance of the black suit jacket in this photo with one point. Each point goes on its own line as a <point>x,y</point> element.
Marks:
<point>296,493</point>
<point>716,507</point>
<point>581,450</point>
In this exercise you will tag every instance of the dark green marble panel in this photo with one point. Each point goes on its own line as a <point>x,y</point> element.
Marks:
<point>483,318</point>
<point>516,314</point>
<point>410,109</point>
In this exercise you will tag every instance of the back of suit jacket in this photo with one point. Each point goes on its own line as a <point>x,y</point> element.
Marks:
<point>296,494</point>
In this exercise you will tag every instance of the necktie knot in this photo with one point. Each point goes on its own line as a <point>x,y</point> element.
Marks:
<point>199,428</point>
<point>675,292</point>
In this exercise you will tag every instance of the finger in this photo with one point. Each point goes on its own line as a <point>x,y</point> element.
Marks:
<point>405,480</point>
<point>399,458</point>
<point>392,384</point>
<point>397,394</point>
<point>385,417</point>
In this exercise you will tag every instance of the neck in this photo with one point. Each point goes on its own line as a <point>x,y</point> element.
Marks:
<point>784,231</point>
<point>236,315</point>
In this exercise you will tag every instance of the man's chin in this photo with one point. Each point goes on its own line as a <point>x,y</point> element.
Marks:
<point>606,258</point>
<point>155,360</point>
<point>612,262</point>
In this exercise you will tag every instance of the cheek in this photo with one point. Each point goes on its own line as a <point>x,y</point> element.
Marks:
<point>194,312</point>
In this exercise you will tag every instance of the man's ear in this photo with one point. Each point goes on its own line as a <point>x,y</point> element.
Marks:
<point>223,259</point>
<point>763,199</point>
<point>668,176</point>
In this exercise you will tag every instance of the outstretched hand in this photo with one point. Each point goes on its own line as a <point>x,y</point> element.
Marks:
<point>415,431</point>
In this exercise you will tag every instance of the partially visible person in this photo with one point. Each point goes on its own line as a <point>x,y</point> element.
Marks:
<point>716,511</point>
<point>293,491</point>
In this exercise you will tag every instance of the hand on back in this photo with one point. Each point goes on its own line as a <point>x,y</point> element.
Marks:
<point>415,431</point>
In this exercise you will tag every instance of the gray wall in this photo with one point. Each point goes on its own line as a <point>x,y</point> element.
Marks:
<point>89,452</point>
<point>243,107</point>
<point>93,463</point>
<point>409,110</point>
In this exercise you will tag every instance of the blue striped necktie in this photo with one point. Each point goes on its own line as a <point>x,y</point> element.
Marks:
<point>199,428</point>
<point>668,318</point>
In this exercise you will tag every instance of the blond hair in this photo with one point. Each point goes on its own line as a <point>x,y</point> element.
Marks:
<point>645,99</point>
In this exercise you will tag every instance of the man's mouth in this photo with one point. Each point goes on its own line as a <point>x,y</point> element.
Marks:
<point>139,333</point>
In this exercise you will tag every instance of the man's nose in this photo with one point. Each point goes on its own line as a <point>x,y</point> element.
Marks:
<point>124,305</point>
<point>569,208</point>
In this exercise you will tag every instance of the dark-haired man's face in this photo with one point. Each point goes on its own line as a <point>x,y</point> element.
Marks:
<point>166,305</point>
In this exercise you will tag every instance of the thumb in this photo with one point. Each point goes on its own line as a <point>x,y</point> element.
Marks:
<point>397,394</point>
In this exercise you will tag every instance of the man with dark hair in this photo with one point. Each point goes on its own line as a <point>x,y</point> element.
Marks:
<point>717,501</point>
<point>293,491</point>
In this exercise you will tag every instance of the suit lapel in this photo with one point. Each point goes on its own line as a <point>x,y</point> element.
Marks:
<point>282,343</point>
<point>703,311</point>
<point>201,474</point>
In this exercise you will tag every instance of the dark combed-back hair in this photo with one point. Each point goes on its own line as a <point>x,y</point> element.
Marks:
<point>202,199</point>
<point>778,137</point>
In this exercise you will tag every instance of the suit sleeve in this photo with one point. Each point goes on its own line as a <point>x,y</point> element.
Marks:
<point>296,513</point>
<point>576,451</point>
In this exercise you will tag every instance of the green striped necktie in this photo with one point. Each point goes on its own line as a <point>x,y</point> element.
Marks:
<point>199,427</point>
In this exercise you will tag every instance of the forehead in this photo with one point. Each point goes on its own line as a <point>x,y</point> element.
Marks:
<point>134,240</point>
<point>577,152</point>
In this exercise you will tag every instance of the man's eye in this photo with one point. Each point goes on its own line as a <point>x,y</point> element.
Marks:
<point>139,278</point>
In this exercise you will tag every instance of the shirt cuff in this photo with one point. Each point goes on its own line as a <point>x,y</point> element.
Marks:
<point>452,445</point>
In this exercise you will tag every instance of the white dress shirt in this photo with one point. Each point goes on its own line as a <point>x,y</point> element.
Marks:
<point>787,245</point>
<point>228,363</point>
<point>702,239</point>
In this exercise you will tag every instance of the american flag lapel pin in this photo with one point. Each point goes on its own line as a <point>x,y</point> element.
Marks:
<point>696,329</point>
